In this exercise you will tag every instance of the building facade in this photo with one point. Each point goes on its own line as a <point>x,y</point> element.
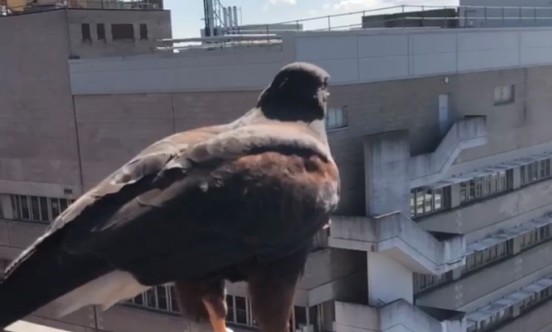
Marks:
<point>441,136</point>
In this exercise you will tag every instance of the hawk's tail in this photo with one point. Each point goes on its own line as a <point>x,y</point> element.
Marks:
<point>46,274</point>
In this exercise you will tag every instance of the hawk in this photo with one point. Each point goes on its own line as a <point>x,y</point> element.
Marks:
<point>240,201</point>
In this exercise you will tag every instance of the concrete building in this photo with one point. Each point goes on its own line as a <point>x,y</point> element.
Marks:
<point>441,135</point>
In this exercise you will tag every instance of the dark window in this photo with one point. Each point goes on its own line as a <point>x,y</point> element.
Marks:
<point>230,306</point>
<point>100,30</point>
<point>300,317</point>
<point>25,210</point>
<point>16,207</point>
<point>44,215</point>
<point>174,301</point>
<point>35,208</point>
<point>139,300</point>
<point>151,300</point>
<point>85,31</point>
<point>55,207</point>
<point>143,31</point>
<point>162,298</point>
<point>122,31</point>
<point>241,310</point>
<point>62,204</point>
<point>504,94</point>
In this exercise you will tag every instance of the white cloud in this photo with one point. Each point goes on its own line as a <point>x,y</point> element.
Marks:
<point>285,2</point>
<point>352,4</point>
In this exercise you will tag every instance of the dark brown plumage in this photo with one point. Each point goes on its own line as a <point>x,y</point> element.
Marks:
<point>238,202</point>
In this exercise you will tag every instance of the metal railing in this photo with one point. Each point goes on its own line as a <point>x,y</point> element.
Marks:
<point>466,15</point>
<point>6,10</point>
<point>401,16</point>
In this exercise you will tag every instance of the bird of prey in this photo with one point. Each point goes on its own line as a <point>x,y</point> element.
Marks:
<point>240,201</point>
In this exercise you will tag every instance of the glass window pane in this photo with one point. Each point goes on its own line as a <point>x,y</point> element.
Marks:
<point>35,208</point>
<point>25,208</point>
<point>419,202</point>
<point>300,316</point>
<point>241,310</point>
<point>62,204</point>
<point>438,196</point>
<point>339,118</point>
<point>151,300</point>
<point>174,300</point>
<point>162,298</point>
<point>16,207</point>
<point>44,215</point>
<point>54,203</point>
<point>428,198</point>
<point>139,300</point>
<point>412,204</point>
<point>497,94</point>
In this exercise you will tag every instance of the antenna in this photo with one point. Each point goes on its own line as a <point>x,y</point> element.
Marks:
<point>220,19</point>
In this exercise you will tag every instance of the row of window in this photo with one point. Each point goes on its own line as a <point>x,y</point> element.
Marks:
<point>425,201</point>
<point>120,31</point>
<point>163,298</point>
<point>491,321</point>
<point>37,208</point>
<point>486,185</point>
<point>537,292</point>
<point>481,258</point>
<point>534,172</point>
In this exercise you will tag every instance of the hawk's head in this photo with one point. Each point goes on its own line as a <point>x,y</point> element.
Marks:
<point>297,93</point>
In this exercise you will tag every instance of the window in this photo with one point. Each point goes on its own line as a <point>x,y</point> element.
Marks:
<point>300,317</point>
<point>425,201</point>
<point>336,118</point>
<point>241,310</point>
<point>143,31</point>
<point>100,30</point>
<point>85,31</point>
<point>535,171</point>
<point>37,208</point>
<point>504,94</point>
<point>426,281</point>
<point>484,186</point>
<point>122,31</point>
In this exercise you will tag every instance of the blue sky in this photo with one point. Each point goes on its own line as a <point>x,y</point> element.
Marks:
<point>187,14</point>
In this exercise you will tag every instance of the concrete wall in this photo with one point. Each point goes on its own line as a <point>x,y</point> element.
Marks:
<point>37,129</point>
<point>351,57</point>
<point>158,27</point>
<point>490,284</point>
<point>512,126</point>
<point>113,128</point>
<point>372,108</point>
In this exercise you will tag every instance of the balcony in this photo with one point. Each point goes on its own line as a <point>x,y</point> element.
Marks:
<point>402,239</point>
